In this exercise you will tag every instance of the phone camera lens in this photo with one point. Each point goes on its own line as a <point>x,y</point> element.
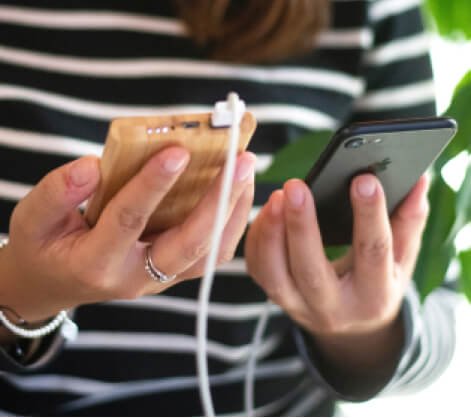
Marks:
<point>355,143</point>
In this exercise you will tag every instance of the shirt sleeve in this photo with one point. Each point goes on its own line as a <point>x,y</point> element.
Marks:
<point>429,343</point>
<point>398,84</point>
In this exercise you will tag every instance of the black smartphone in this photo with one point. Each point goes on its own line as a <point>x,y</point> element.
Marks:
<point>398,152</point>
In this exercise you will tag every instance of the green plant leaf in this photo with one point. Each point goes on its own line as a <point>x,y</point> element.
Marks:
<point>436,252</point>
<point>462,142</point>
<point>463,206</point>
<point>465,277</point>
<point>459,110</point>
<point>333,253</point>
<point>451,17</point>
<point>296,158</point>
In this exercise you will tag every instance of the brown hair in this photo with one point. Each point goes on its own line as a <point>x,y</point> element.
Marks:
<point>254,30</point>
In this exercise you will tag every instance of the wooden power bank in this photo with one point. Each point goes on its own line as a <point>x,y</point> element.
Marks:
<point>132,141</point>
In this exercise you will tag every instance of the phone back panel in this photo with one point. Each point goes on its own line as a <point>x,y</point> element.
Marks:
<point>398,153</point>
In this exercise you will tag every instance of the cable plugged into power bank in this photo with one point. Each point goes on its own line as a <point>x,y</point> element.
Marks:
<point>224,111</point>
<point>226,114</point>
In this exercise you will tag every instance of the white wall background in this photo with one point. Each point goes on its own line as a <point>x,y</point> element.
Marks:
<point>449,395</point>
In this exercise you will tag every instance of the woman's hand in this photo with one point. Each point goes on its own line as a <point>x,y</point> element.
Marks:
<point>350,305</point>
<point>55,261</point>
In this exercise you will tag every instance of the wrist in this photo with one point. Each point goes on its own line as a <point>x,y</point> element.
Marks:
<point>20,340</point>
<point>374,351</point>
<point>19,349</point>
<point>18,294</point>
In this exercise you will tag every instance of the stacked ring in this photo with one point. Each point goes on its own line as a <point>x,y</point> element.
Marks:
<point>154,273</point>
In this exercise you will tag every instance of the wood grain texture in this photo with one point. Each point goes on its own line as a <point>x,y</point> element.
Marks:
<point>132,141</point>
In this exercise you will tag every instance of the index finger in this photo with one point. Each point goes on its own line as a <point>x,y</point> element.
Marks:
<point>179,248</point>
<point>124,218</point>
<point>308,263</point>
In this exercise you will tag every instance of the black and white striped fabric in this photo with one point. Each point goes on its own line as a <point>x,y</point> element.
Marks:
<point>67,68</point>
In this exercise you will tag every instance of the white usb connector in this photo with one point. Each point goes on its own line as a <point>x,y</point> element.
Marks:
<point>223,112</point>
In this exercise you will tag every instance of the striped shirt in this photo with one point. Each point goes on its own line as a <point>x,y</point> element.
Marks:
<point>67,68</point>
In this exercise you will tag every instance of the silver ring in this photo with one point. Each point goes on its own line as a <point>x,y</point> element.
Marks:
<point>154,273</point>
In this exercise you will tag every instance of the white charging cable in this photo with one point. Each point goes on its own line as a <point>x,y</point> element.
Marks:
<point>225,114</point>
<point>249,383</point>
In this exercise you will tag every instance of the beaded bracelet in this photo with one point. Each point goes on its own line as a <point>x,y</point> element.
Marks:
<point>68,328</point>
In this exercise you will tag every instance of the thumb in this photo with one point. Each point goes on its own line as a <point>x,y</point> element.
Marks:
<point>59,193</point>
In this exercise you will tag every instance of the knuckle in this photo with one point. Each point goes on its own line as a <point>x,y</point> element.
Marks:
<point>158,184</point>
<point>374,250</point>
<point>226,255</point>
<point>127,293</point>
<point>313,276</point>
<point>94,277</point>
<point>364,212</point>
<point>268,232</point>
<point>131,219</point>
<point>296,223</point>
<point>93,283</point>
<point>315,282</point>
<point>194,250</point>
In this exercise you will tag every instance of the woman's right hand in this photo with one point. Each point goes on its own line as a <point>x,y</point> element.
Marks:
<point>55,261</point>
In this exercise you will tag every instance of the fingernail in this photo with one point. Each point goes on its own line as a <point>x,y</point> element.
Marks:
<point>276,204</point>
<point>245,169</point>
<point>175,161</point>
<point>366,186</point>
<point>81,171</point>
<point>295,195</point>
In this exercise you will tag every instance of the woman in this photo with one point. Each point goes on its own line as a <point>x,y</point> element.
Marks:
<point>67,69</point>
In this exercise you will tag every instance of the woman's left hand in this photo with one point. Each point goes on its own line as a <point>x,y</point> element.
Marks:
<point>351,305</point>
